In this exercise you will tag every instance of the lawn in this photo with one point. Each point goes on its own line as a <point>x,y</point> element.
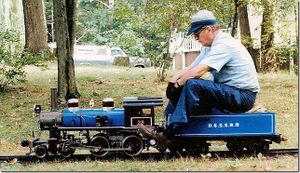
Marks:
<point>279,93</point>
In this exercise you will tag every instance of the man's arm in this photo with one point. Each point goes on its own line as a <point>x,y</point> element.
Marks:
<point>179,74</point>
<point>195,72</point>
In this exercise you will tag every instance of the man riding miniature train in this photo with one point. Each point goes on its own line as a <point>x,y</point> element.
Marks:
<point>234,83</point>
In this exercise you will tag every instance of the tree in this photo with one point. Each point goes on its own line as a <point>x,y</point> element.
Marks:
<point>235,19</point>
<point>35,27</point>
<point>286,13</point>
<point>269,59</point>
<point>272,22</point>
<point>64,31</point>
<point>245,32</point>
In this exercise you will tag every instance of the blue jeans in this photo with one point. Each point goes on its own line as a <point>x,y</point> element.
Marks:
<point>200,97</point>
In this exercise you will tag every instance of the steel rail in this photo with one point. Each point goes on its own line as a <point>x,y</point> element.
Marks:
<point>147,156</point>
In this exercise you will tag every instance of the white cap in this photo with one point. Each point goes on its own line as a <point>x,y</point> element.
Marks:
<point>203,15</point>
<point>200,19</point>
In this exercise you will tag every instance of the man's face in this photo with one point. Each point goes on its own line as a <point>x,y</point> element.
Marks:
<point>204,36</point>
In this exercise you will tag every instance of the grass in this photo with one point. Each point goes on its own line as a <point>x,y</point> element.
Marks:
<point>180,164</point>
<point>279,93</point>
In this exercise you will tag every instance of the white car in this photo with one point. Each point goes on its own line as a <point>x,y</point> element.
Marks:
<point>91,54</point>
<point>134,61</point>
<point>87,54</point>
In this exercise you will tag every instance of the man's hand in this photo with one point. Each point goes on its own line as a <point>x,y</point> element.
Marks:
<point>173,92</point>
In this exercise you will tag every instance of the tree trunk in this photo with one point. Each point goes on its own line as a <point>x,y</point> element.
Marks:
<point>246,33</point>
<point>71,15</point>
<point>269,59</point>
<point>64,31</point>
<point>35,26</point>
<point>235,19</point>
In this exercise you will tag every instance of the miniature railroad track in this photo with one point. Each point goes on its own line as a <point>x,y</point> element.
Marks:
<point>146,156</point>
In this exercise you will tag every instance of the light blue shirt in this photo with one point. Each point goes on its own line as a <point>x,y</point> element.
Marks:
<point>230,63</point>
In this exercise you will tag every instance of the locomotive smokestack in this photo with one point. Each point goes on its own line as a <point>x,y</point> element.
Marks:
<point>53,99</point>
<point>108,103</point>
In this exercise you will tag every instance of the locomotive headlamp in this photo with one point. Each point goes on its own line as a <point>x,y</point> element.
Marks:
<point>152,142</point>
<point>37,108</point>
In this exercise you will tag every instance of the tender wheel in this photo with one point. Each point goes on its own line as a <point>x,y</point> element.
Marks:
<point>175,148</point>
<point>135,144</point>
<point>203,149</point>
<point>259,147</point>
<point>265,147</point>
<point>198,149</point>
<point>102,142</point>
<point>41,151</point>
<point>235,147</point>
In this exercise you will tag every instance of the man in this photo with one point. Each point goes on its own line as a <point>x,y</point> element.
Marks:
<point>234,83</point>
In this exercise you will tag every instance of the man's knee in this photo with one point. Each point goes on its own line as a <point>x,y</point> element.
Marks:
<point>198,84</point>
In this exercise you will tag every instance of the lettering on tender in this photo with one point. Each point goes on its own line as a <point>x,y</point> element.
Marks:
<point>223,125</point>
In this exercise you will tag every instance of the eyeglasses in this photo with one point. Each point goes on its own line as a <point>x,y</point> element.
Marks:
<point>197,33</point>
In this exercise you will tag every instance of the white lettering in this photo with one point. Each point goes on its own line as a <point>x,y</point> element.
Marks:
<point>223,125</point>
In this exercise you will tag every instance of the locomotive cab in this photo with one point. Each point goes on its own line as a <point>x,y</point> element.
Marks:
<point>140,110</point>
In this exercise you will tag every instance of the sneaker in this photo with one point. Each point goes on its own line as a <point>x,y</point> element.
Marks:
<point>150,132</point>
<point>257,107</point>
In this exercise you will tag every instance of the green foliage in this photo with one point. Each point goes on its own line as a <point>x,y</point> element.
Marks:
<point>92,23</point>
<point>11,63</point>
<point>287,51</point>
<point>279,16</point>
<point>12,59</point>
<point>143,28</point>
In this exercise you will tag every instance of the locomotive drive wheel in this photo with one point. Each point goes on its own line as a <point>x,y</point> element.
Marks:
<point>102,142</point>
<point>65,150</point>
<point>67,154</point>
<point>133,142</point>
<point>41,151</point>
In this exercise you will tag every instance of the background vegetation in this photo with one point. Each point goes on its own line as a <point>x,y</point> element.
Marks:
<point>279,93</point>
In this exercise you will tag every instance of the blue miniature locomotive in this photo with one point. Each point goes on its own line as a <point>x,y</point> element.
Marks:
<point>109,129</point>
<point>101,130</point>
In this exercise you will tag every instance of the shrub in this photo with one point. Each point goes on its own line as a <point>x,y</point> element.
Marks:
<point>13,59</point>
<point>284,53</point>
